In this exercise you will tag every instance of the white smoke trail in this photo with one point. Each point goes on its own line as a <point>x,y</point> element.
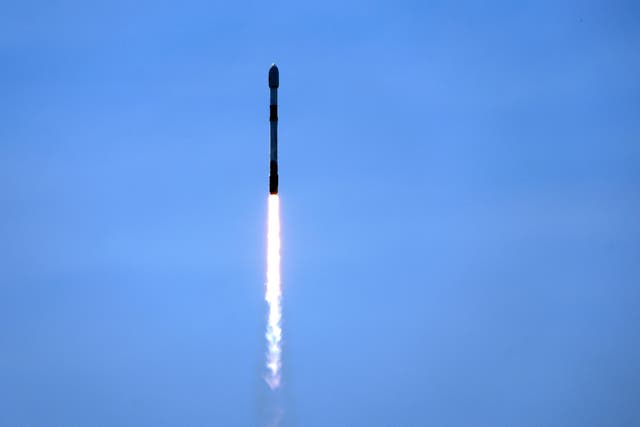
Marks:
<point>273,294</point>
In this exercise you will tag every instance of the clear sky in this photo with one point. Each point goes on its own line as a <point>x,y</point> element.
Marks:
<point>460,201</point>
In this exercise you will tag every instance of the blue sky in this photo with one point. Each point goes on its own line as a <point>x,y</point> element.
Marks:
<point>460,205</point>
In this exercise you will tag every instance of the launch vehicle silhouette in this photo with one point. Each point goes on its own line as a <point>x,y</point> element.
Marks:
<point>274,82</point>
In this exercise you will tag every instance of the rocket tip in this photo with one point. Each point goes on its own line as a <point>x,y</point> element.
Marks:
<point>274,76</point>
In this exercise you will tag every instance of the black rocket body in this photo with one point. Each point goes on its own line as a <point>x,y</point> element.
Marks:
<point>274,82</point>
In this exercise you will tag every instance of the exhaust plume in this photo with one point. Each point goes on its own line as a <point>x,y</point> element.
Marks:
<point>273,295</point>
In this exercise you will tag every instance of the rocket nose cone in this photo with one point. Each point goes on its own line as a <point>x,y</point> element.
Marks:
<point>274,76</point>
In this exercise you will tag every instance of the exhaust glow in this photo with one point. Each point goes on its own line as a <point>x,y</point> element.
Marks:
<point>273,294</point>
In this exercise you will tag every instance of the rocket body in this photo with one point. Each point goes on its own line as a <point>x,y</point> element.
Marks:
<point>274,82</point>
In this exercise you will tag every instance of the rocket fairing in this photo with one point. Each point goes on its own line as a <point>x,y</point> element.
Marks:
<point>274,82</point>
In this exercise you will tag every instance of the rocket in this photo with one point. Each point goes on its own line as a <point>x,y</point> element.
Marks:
<point>274,82</point>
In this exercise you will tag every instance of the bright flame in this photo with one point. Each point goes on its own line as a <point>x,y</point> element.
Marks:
<point>273,294</point>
